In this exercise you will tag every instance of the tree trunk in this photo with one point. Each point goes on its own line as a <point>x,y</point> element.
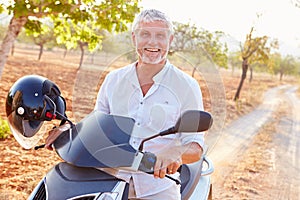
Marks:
<point>12,49</point>
<point>251,74</point>
<point>243,77</point>
<point>14,29</point>
<point>194,70</point>
<point>281,76</point>
<point>41,51</point>
<point>65,53</point>
<point>81,45</point>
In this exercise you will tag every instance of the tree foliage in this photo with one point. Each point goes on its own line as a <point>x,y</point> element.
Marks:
<point>188,38</point>
<point>40,33</point>
<point>283,65</point>
<point>4,129</point>
<point>74,21</point>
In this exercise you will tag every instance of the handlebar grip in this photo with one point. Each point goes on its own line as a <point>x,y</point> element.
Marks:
<point>147,162</point>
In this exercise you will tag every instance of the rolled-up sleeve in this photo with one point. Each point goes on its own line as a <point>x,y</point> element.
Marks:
<point>193,101</point>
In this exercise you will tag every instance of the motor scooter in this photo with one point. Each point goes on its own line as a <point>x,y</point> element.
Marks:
<point>79,177</point>
<point>98,143</point>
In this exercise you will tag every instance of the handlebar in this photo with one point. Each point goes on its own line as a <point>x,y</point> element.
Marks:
<point>147,165</point>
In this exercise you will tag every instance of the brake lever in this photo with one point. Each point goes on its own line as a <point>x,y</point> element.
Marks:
<point>39,147</point>
<point>178,182</point>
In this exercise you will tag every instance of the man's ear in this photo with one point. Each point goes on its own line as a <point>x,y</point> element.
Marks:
<point>171,39</point>
<point>133,39</point>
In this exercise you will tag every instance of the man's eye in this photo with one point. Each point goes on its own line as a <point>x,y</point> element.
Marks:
<point>161,36</point>
<point>144,34</point>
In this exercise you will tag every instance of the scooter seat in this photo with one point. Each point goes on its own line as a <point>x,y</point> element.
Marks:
<point>74,173</point>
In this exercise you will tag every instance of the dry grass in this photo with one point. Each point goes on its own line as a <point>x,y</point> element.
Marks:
<point>22,169</point>
<point>251,177</point>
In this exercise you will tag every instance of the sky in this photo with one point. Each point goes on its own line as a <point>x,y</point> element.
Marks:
<point>278,19</point>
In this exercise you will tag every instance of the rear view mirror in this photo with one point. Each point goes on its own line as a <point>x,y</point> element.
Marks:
<point>193,121</point>
<point>190,121</point>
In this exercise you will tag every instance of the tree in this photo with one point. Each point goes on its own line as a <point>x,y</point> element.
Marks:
<point>254,49</point>
<point>41,33</point>
<point>109,15</point>
<point>188,38</point>
<point>284,66</point>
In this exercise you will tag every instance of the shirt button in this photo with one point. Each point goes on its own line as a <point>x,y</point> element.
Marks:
<point>141,103</point>
<point>138,123</point>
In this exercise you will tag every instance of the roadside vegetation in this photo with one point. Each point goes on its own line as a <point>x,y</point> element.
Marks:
<point>4,129</point>
<point>70,41</point>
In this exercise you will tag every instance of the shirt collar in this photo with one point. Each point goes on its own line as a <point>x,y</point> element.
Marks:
<point>132,75</point>
<point>161,74</point>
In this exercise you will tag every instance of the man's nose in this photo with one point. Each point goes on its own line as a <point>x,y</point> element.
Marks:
<point>152,39</point>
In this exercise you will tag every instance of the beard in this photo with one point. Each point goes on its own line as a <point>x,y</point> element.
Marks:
<point>152,57</point>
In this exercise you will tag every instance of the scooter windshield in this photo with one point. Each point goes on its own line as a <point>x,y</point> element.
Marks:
<point>99,140</point>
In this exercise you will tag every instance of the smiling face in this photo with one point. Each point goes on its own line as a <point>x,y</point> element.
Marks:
<point>152,41</point>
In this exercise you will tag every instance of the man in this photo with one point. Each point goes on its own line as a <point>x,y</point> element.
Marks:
<point>154,93</point>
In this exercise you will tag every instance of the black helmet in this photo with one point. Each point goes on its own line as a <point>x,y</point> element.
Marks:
<point>32,100</point>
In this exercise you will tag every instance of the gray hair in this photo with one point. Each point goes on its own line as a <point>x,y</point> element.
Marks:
<point>151,15</point>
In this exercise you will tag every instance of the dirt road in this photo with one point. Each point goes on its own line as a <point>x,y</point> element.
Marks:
<point>287,143</point>
<point>280,176</point>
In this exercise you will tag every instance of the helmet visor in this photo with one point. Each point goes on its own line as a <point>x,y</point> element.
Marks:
<point>26,132</point>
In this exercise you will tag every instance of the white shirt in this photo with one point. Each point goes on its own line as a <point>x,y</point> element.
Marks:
<point>172,93</point>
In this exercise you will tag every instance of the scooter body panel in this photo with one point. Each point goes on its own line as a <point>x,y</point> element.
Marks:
<point>65,181</point>
<point>103,141</point>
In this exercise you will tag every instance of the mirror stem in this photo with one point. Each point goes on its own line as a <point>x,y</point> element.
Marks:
<point>166,132</point>
<point>145,140</point>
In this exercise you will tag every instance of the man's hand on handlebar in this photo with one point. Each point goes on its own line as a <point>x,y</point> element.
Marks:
<point>54,133</point>
<point>161,169</point>
<point>171,158</point>
<point>168,160</point>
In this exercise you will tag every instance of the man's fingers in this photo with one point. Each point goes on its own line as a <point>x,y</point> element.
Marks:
<point>173,167</point>
<point>50,139</point>
<point>157,167</point>
<point>53,134</point>
<point>163,167</point>
<point>162,172</point>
